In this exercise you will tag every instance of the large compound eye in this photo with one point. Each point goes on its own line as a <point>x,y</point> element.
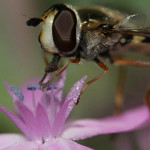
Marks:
<point>64,31</point>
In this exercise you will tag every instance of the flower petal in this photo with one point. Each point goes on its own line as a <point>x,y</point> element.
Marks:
<point>67,107</point>
<point>75,90</point>
<point>10,139</point>
<point>60,120</point>
<point>23,146</point>
<point>43,125</point>
<point>59,85</point>
<point>29,119</point>
<point>63,144</point>
<point>52,99</point>
<point>15,119</point>
<point>81,129</point>
<point>29,95</point>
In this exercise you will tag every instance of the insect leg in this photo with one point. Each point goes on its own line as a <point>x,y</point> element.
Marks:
<point>76,60</point>
<point>135,63</point>
<point>43,78</point>
<point>101,65</point>
<point>124,62</point>
<point>119,90</point>
<point>147,97</point>
<point>44,57</point>
<point>52,66</point>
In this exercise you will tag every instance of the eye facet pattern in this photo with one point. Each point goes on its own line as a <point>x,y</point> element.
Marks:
<point>64,31</point>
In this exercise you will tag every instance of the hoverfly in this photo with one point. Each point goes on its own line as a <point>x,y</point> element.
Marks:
<point>89,33</point>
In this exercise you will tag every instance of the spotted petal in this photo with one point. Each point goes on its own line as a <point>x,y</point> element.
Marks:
<point>67,106</point>
<point>76,90</point>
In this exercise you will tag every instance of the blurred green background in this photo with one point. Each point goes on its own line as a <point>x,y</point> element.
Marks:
<point>20,59</point>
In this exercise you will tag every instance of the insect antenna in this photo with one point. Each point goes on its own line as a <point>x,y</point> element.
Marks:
<point>32,21</point>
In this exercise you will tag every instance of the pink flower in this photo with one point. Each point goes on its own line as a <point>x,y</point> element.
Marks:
<point>41,116</point>
<point>140,138</point>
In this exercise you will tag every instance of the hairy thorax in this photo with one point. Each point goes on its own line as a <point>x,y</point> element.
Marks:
<point>95,43</point>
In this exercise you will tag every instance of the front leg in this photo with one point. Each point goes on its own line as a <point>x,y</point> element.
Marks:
<point>76,60</point>
<point>52,66</point>
<point>44,57</point>
<point>101,65</point>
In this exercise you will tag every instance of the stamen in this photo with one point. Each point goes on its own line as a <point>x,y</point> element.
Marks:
<point>17,92</point>
<point>33,86</point>
<point>33,100</point>
<point>48,86</point>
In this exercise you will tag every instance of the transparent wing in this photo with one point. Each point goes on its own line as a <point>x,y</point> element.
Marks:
<point>138,32</point>
<point>130,25</point>
<point>134,21</point>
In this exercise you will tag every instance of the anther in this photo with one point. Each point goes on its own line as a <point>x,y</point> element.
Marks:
<point>17,92</point>
<point>48,87</point>
<point>33,86</point>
